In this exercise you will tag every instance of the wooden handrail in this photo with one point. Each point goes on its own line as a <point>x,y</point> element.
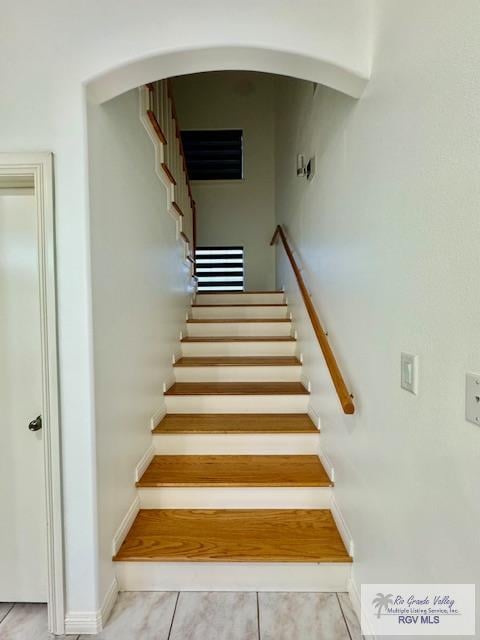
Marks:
<point>337,378</point>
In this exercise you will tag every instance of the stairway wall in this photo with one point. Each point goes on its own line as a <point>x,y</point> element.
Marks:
<point>388,233</point>
<point>140,297</point>
<point>233,212</point>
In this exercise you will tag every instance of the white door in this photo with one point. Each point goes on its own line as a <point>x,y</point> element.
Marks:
<point>23,561</point>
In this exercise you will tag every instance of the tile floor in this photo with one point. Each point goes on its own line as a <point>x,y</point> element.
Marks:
<point>204,616</point>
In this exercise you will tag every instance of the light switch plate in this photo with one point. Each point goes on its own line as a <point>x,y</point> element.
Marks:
<point>409,372</point>
<point>472,398</point>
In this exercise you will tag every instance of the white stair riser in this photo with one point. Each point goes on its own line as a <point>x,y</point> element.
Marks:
<point>240,298</point>
<point>237,404</point>
<point>238,374</point>
<point>239,328</point>
<point>237,444</point>
<point>239,312</point>
<point>232,576</point>
<point>235,497</point>
<point>239,348</point>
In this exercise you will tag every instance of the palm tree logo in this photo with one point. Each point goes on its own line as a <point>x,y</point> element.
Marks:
<point>382,602</point>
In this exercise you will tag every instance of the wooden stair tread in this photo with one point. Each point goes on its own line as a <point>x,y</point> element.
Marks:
<point>222,306</point>
<point>236,293</point>
<point>235,471</point>
<point>235,320</point>
<point>238,339</point>
<point>236,388</point>
<point>236,423</point>
<point>238,361</point>
<point>239,535</point>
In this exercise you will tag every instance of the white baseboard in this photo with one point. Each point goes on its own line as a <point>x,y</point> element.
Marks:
<point>342,526</point>
<point>356,604</point>
<point>92,622</point>
<point>327,464</point>
<point>88,622</point>
<point>314,416</point>
<point>144,462</point>
<point>168,383</point>
<point>306,382</point>
<point>354,596</point>
<point>109,602</point>
<point>157,417</point>
<point>125,525</point>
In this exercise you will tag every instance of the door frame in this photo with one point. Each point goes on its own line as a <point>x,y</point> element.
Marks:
<point>40,167</point>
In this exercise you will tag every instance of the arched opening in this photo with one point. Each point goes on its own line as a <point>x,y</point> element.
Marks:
<point>138,254</point>
<point>220,58</point>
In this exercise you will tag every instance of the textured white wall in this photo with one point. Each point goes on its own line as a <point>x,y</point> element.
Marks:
<point>388,233</point>
<point>237,212</point>
<point>324,40</point>
<point>49,50</point>
<point>140,298</point>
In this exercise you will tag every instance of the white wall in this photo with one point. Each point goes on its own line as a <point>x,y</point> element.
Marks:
<point>140,298</point>
<point>323,40</point>
<point>388,233</point>
<point>49,50</point>
<point>236,212</point>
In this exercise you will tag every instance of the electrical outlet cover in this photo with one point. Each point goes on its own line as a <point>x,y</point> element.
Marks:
<point>472,398</point>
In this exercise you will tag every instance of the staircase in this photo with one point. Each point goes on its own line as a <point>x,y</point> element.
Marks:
<point>236,497</point>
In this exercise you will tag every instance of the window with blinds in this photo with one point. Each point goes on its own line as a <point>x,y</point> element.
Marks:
<point>219,268</point>
<point>214,154</point>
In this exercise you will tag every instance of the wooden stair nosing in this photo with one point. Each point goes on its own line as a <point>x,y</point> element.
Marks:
<point>234,320</point>
<point>238,361</point>
<point>236,293</point>
<point>236,389</point>
<point>238,339</point>
<point>236,535</point>
<point>235,423</point>
<point>226,306</point>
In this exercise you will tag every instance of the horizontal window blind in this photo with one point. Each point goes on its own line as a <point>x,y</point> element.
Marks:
<point>219,268</point>
<point>213,154</point>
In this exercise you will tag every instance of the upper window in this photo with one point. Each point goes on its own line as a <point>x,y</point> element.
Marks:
<point>214,154</point>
